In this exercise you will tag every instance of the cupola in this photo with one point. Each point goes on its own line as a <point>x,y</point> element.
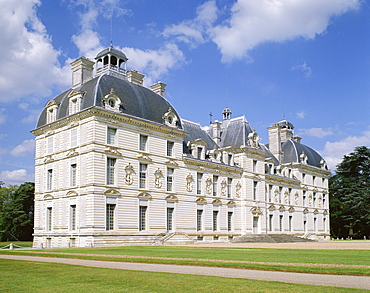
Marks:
<point>112,62</point>
<point>226,114</point>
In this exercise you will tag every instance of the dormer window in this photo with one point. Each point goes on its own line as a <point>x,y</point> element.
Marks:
<point>51,111</point>
<point>75,98</point>
<point>170,118</point>
<point>112,101</point>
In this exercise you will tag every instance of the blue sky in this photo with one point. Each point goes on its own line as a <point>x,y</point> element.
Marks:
<point>306,60</point>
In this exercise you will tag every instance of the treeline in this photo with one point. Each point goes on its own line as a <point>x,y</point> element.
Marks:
<point>349,190</point>
<point>16,212</point>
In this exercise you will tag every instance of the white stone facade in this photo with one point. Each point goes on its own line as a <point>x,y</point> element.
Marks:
<point>104,177</point>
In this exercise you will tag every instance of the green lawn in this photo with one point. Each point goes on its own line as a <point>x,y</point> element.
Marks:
<point>16,243</point>
<point>208,256</point>
<point>25,276</point>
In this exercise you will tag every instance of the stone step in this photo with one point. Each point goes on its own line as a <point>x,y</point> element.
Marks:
<point>269,238</point>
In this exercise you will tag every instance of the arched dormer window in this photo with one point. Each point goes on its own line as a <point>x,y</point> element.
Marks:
<point>170,118</point>
<point>112,101</point>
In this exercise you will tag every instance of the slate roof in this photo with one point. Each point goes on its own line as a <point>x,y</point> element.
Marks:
<point>293,149</point>
<point>136,100</point>
<point>234,132</point>
<point>195,131</point>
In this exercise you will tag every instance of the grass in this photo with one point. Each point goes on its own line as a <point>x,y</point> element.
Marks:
<point>16,243</point>
<point>25,276</point>
<point>208,256</point>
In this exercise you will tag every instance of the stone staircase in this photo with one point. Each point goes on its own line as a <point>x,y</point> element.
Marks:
<point>269,238</point>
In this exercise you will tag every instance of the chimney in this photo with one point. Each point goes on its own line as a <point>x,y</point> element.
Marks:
<point>215,131</point>
<point>135,77</point>
<point>82,71</point>
<point>159,88</point>
<point>275,140</point>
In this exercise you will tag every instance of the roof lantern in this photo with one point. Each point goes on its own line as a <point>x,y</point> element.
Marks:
<point>285,124</point>
<point>111,61</point>
<point>226,114</point>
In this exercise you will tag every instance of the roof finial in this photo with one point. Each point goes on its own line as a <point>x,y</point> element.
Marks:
<point>111,26</point>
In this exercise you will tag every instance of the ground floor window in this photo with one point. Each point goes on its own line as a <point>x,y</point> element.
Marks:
<point>270,222</point>
<point>142,217</point>
<point>110,216</point>
<point>215,220</point>
<point>229,221</point>
<point>199,220</point>
<point>170,219</point>
<point>49,218</point>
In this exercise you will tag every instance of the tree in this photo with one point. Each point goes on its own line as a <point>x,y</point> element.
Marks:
<point>350,195</point>
<point>17,211</point>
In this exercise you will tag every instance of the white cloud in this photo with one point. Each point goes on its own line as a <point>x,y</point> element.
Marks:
<point>316,132</point>
<point>307,71</point>
<point>16,177</point>
<point>3,151</point>
<point>29,63</point>
<point>255,22</point>
<point>27,146</point>
<point>155,63</point>
<point>195,31</point>
<point>301,114</point>
<point>334,151</point>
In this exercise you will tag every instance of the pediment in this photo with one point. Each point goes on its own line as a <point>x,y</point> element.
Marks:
<point>71,193</point>
<point>201,200</point>
<point>144,195</point>
<point>112,192</point>
<point>171,197</point>
<point>217,201</point>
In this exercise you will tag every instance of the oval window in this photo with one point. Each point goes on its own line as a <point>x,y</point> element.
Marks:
<point>111,103</point>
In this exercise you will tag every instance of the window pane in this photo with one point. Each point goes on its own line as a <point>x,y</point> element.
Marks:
<point>169,148</point>
<point>142,176</point>
<point>73,174</point>
<point>169,218</point>
<point>199,220</point>
<point>110,216</point>
<point>110,170</point>
<point>73,217</point>
<point>142,217</point>
<point>215,220</point>
<point>111,135</point>
<point>142,142</point>
<point>169,178</point>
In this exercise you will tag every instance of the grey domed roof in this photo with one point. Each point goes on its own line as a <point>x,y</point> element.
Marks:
<point>292,151</point>
<point>112,51</point>
<point>285,124</point>
<point>137,101</point>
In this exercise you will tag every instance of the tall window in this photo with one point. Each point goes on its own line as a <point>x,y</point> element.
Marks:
<point>73,217</point>
<point>270,221</point>
<point>304,198</point>
<point>229,159</point>
<point>323,200</point>
<point>199,152</point>
<point>111,135</point>
<point>229,220</point>
<point>255,184</point>
<point>280,191</point>
<point>74,105</point>
<point>49,218</point>
<point>169,218</point>
<point>215,220</point>
<point>170,145</point>
<point>169,178</point>
<point>289,195</point>
<point>50,148</point>
<point>143,143</point>
<point>215,180</point>
<point>142,217</point>
<point>229,182</point>
<point>73,175</point>
<point>110,217</point>
<point>281,222</point>
<point>110,170</point>
<point>73,137</point>
<point>49,179</point>
<point>270,193</point>
<point>199,183</point>
<point>254,166</point>
<point>199,219</point>
<point>142,175</point>
<point>314,224</point>
<point>290,222</point>
<point>314,199</point>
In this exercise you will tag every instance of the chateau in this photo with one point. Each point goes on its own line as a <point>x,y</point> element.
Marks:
<point>116,164</point>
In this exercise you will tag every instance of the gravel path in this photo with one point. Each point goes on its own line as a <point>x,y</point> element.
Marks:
<point>360,282</point>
